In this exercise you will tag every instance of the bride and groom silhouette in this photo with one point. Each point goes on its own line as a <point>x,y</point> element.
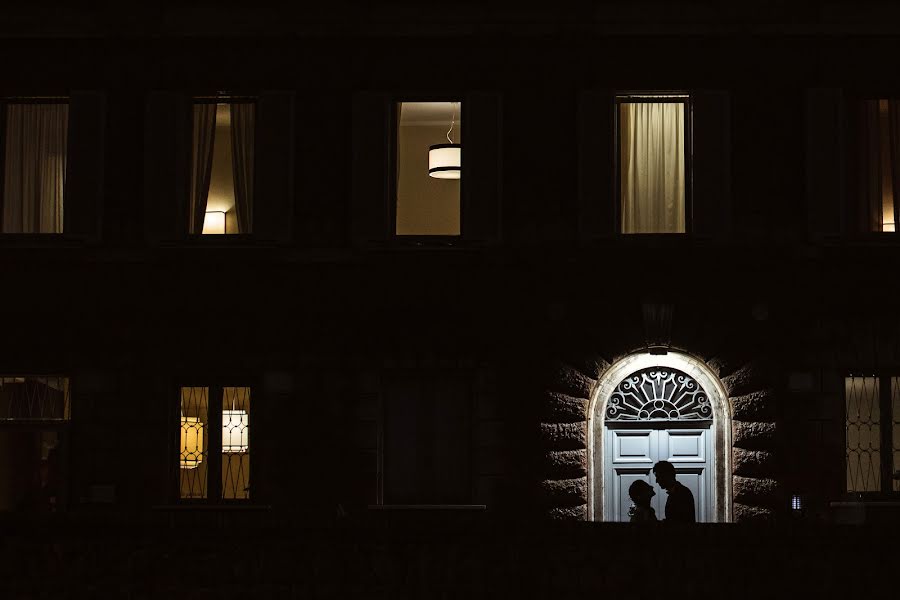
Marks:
<point>679,505</point>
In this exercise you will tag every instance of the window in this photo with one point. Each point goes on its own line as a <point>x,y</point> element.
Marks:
<point>222,164</point>
<point>427,439</point>
<point>210,457</point>
<point>34,418</point>
<point>34,136</point>
<point>653,170</point>
<point>872,433</point>
<point>428,169</point>
<point>880,164</point>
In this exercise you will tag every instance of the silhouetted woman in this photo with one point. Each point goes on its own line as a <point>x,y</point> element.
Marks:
<point>641,493</point>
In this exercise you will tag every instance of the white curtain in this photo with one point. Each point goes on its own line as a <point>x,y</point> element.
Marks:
<point>34,171</point>
<point>651,151</point>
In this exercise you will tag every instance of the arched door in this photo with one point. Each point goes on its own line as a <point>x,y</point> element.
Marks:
<point>658,413</point>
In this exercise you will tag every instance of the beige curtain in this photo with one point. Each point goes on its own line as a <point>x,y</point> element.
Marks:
<point>243,126</point>
<point>202,137</point>
<point>651,156</point>
<point>34,168</point>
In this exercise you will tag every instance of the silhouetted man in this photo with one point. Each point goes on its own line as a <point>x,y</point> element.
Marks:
<point>680,505</point>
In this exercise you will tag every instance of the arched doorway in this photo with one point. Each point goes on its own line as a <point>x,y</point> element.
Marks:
<point>648,408</point>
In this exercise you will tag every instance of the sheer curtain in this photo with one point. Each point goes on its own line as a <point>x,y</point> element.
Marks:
<point>243,123</point>
<point>202,137</point>
<point>34,172</point>
<point>879,153</point>
<point>651,151</point>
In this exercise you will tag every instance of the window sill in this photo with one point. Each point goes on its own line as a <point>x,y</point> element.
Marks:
<point>428,507</point>
<point>228,507</point>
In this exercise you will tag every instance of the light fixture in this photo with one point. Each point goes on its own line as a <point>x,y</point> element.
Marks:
<point>214,222</point>
<point>445,160</point>
<point>191,442</point>
<point>235,426</point>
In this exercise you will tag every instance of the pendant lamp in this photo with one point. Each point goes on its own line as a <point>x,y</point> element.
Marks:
<point>445,160</point>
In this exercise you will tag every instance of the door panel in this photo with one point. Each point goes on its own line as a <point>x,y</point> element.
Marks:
<point>630,454</point>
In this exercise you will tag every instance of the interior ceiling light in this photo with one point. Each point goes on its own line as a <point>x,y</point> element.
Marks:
<point>445,160</point>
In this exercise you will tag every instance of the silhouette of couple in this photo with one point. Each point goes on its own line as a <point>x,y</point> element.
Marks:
<point>679,506</point>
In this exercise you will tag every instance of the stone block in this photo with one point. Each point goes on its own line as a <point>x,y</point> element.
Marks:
<point>564,436</point>
<point>753,491</point>
<point>566,463</point>
<point>752,463</point>
<point>568,513</point>
<point>754,435</point>
<point>565,492</point>
<point>752,514</point>
<point>569,380</point>
<point>755,406</point>
<point>748,378</point>
<point>563,408</point>
<point>592,365</point>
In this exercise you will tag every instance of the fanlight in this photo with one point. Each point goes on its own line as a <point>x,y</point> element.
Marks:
<point>659,393</point>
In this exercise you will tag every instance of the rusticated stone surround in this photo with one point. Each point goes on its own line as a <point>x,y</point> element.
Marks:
<point>564,437</point>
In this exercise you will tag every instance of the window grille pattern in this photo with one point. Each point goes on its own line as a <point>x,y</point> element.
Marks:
<point>658,393</point>
<point>236,443</point>
<point>194,457</point>
<point>34,398</point>
<point>863,434</point>
<point>210,457</point>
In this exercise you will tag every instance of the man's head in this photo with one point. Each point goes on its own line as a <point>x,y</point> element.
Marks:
<point>641,492</point>
<point>665,474</point>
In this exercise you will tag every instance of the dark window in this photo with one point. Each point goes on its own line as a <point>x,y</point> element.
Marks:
<point>34,419</point>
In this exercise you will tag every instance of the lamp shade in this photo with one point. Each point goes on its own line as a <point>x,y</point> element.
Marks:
<point>214,222</point>
<point>191,442</point>
<point>445,161</point>
<point>235,427</point>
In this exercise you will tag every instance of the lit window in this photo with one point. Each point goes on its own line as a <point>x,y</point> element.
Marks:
<point>653,141</point>
<point>872,433</point>
<point>217,458</point>
<point>34,419</point>
<point>34,136</point>
<point>880,165</point>
<point>222,163</point>
<point>429,168</point>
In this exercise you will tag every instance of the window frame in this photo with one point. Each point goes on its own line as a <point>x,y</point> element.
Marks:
<point>393,167</point>
<point>886,441</point>
<point>184,216</point>
<point>671,97</point>
<point>36,99</point>
<point>215,388</point>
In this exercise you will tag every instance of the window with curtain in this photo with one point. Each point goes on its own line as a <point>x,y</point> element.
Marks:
<point>653,142</point>
<point>34,137</point>
<point>879,164</point>
<point>222,164</point>
<point>214,443</point>
<point>428,168</point>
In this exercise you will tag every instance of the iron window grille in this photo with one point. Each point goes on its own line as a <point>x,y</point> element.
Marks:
<point>872,434</point>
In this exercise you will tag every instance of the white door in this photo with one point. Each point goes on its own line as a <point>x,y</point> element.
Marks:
<point>630,453</point>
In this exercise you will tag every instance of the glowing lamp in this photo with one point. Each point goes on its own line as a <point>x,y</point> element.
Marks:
<point>235,425</point>
<point>214,222</point>
<point>191,442</point>
<point>445,161</point>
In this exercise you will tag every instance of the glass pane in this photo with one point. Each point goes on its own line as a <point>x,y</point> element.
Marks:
<point>428,168</point>
<point>863,429</point>
<point>236,443</point>
<point>34,398</point>
<point>652,167</point>
<point>193,460</point>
